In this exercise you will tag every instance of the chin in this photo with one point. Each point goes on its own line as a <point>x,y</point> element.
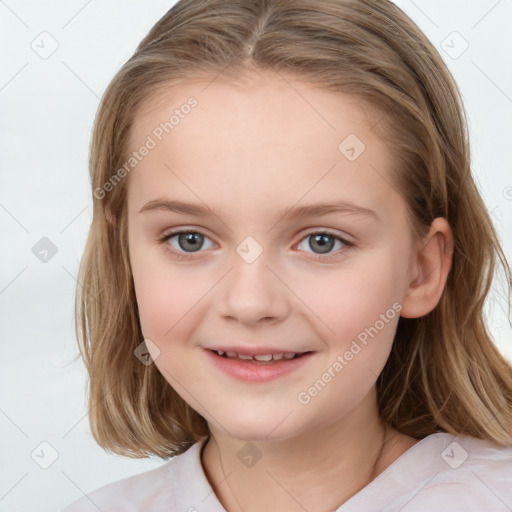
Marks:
<point>257,427</point>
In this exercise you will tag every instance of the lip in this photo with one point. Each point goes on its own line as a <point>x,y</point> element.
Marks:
<point>250,371</point>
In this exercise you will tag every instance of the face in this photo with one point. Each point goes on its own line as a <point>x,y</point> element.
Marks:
<point>242,276</point>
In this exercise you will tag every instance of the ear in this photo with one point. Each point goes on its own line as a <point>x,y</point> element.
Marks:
<point>430,265</point>
<point>111,218</point>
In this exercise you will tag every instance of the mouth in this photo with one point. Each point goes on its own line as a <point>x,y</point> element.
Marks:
<point>258,368</point>
<point>259,359</point>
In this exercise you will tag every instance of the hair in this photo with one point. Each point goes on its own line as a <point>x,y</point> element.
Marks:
<point>444,372</point>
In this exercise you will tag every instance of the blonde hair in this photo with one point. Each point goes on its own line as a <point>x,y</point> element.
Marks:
<point>444,372</point>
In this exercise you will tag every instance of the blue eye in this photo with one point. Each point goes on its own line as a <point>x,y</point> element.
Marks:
<point>323,242</point>
<point>186,240</point>
<point>190,241</point>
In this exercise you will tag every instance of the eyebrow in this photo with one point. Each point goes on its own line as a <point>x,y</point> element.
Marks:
<point>291,212</point>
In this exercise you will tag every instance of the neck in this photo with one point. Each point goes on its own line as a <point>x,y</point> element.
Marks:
<point>326,465</point>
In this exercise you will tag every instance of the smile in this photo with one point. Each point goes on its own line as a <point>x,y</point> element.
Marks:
<point>259,357</point>
<point>258,368</point>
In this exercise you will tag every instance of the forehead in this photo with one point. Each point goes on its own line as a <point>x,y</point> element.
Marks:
<point>255,103</point>
<point>261,138</point>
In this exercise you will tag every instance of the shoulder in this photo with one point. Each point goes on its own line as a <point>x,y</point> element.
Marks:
<point>465,474</point>
<point>157,490</point>
<point>442,472</point>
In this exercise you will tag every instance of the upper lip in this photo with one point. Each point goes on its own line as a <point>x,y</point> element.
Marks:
<point>255,351</point>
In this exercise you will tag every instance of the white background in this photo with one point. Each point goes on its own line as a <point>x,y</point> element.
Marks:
<point>47,111</point>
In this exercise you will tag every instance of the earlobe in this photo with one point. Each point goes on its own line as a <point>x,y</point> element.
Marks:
<point>111,218</point>
<point>431,265</point>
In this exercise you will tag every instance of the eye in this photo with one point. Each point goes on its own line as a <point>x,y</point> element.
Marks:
<point>186,243</point>
<point>322,242</point>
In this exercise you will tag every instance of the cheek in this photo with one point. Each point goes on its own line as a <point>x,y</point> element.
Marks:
<point>165,302</point>
<point>167,317</point>
<point>172,303</point>
<point>353,298</point>
<point>163,292</point>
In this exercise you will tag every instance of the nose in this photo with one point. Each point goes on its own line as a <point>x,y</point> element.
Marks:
<point>253,293</point>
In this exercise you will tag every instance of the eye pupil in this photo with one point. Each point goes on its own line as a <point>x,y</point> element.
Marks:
<point>195,239</point>
<point>323,245</point>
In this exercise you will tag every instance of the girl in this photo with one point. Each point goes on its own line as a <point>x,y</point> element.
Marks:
<point>321,344</point>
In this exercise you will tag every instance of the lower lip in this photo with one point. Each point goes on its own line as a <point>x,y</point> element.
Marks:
<point>250,371</point>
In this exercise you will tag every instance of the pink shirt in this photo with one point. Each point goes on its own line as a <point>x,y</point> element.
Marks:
<point>441,472</point>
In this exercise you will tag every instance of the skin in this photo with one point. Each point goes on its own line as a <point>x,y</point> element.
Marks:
<point>247,151</point>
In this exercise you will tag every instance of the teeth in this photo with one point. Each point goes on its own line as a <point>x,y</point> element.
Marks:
<point>262,357</point>
<point>266,357</point>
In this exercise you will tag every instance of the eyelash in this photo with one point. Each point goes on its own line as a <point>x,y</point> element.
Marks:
<point>317,257</point>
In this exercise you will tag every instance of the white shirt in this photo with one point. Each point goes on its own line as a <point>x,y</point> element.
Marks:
<point>441,472</point>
